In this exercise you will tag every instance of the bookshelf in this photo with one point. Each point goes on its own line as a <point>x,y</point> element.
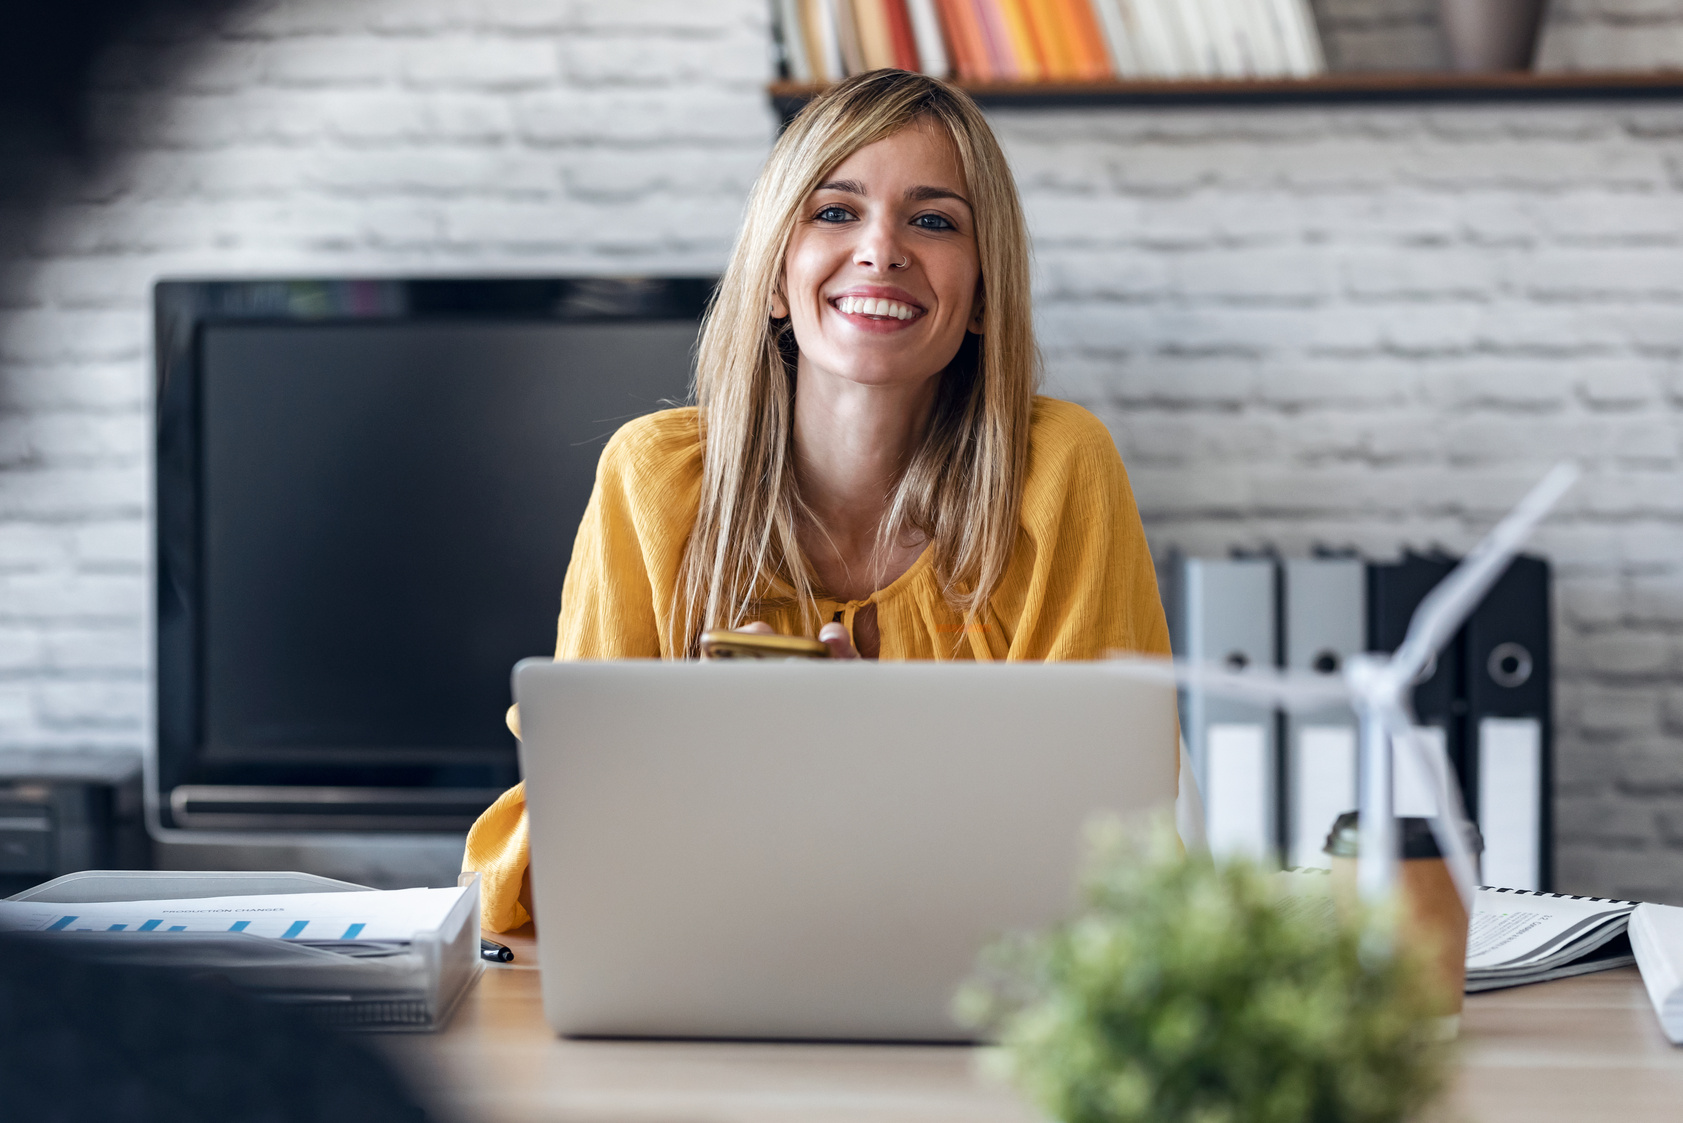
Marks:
<point>1350,86</point>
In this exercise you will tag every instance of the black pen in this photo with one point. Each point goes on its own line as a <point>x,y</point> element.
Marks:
<point>495,952</point>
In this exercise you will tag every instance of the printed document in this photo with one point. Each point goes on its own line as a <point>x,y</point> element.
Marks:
<point>375,915</point>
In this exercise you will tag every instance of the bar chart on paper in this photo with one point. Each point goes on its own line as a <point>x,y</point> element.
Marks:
<point>310,917</point>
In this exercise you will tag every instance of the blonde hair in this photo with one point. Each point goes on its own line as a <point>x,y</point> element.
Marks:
<point>962,487</point>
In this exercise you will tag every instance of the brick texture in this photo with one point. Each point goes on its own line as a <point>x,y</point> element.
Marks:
<point>1343,325</point>
<point>1612,35</point>
<point>321,137</point>
<point>1375,327</point>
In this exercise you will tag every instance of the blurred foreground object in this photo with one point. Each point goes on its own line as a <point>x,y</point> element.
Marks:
<point>1431,914</point>
<point>88,1041</point>
<point>1192,989</point>
<point>353,956</point>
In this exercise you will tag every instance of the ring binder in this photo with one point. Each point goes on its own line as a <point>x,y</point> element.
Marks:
<point>1508,726</point>
<point>1323,612</point>
<point>1225,612</point>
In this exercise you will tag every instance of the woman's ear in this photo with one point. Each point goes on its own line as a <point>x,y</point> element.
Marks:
<point>779,307</point>
<point>978,307</point>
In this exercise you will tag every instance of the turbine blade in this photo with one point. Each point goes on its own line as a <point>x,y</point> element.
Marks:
<point>1455,597</point>
<point>1262,686</point>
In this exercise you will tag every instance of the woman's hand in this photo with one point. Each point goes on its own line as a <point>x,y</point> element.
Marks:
<point>831,635</point>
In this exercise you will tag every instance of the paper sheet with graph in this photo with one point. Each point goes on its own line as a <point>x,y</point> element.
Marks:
<point>374,915</point>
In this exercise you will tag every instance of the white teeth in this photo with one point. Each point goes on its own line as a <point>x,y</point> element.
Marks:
<point>871,306</point>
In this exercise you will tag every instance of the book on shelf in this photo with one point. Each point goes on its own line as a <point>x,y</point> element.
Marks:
<point>929,42</point>
<point>876,39</point>
<point>847,34</point>
<point>996,37</point>
<point>902,37</point>
<point>1029,41</point>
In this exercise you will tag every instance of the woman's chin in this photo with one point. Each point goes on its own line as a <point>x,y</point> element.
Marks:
<point>882,376</point>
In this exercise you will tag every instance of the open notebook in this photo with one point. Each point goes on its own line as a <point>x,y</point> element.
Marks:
<point>1518,936</point>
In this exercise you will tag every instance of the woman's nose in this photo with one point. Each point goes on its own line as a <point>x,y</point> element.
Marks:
<point>878,248</point>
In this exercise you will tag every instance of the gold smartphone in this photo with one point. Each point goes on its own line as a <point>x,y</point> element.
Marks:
<point>755,645</point>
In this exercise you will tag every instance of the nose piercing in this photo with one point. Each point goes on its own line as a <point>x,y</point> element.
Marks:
<point>901,264</point>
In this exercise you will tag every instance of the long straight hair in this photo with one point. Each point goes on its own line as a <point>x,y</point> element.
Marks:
<point>962,486</point>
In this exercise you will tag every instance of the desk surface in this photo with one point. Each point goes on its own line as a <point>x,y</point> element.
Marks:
<point>1578,1049</point>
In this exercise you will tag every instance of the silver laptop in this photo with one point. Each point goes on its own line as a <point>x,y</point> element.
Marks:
<point>812,850</point>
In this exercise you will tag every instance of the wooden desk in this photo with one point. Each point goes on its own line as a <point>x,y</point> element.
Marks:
<point>1579,1049</point>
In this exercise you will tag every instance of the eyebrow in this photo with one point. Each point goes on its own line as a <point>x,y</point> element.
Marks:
<point>913,194</point>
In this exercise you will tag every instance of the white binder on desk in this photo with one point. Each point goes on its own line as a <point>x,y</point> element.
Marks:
<point>381,973</point>
<point>1323,615</point>
<point>1225,614</point>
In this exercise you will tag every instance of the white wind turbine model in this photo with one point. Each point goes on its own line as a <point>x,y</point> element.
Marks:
<point>1377,687</point>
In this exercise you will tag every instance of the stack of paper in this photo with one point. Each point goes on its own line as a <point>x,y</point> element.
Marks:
<point>318,919</point>
<point>1656,935</point>
<point>360,958</point>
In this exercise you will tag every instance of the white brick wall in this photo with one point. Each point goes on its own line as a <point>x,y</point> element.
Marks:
<point>1343,325</point>
<point>323,137</point>
<point>1374,327</point>
<point>1612,35</point>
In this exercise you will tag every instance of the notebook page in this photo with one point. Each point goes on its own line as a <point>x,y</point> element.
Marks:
<point>1511,928</point>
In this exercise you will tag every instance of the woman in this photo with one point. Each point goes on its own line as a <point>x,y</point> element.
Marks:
<point>867,460</point>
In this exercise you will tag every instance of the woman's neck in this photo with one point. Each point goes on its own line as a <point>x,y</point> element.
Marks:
<point>852,444</point>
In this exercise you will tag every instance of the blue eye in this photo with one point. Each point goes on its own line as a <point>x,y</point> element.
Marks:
<point>933,222</point>
<point>833,214</point>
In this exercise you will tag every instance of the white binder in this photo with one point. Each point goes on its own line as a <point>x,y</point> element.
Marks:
<point>1323,617</point>
<point>1510,800</point>
<point>1226,615</point>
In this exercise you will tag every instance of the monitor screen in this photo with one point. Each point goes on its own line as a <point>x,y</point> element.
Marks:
<point>386,513</point>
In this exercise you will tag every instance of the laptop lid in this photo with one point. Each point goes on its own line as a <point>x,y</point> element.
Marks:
<point>807,849</point>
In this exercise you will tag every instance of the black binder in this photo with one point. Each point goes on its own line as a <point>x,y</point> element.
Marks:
<point>1508,728</point>
<point>1394,591</point>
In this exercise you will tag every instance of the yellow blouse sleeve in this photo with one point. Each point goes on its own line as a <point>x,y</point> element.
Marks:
<point>498,849</point>
<point>1081,582</point>
<point>615,604</point>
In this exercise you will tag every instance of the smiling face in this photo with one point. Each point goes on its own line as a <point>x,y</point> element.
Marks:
<point>880,279</point>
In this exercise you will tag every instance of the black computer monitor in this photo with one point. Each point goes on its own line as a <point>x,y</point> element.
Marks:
<point>367,494</point>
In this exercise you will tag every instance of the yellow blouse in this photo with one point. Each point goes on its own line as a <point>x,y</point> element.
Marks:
<point>1080,583</point>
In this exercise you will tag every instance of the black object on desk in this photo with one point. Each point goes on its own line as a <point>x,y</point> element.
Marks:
<point>61,812</point>
<point>495,952</point>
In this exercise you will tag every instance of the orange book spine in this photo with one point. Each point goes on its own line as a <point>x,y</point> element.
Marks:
<point>1092,57</point>
<point>1046,17</point>
<point>904,38</point>
<point>1026,49</point>
<point>964,35</point>
<point>996,39</point>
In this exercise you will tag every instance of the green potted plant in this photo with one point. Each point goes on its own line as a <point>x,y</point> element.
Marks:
<point>1193,991</point>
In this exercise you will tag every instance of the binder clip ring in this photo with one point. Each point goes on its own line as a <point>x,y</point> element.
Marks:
<point>1510,665</point>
